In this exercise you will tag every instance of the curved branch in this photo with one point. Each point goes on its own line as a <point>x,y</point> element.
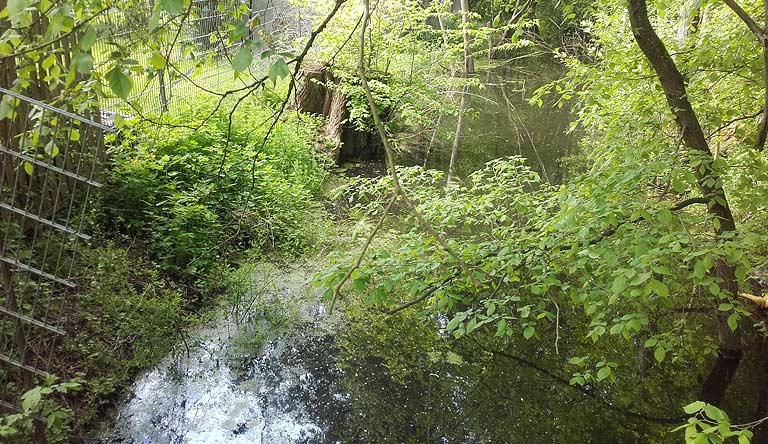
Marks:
<point>747,19</point>
<point>356,265</point>
<point>390,156</point>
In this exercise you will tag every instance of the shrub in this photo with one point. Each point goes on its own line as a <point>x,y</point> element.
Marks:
<point>197,194</point>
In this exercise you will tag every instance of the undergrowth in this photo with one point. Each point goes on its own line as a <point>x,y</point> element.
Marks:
<point>181,207</point>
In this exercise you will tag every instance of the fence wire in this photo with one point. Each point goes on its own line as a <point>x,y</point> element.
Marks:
<point>50,162</point>
<point>199,59</point>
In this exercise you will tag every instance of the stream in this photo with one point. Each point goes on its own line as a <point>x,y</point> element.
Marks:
<point>276,368</point>
<point>250,377</point>
<point>500,122</point>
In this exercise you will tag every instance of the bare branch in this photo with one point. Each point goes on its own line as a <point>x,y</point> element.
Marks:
<point>734,120</point>
<point>390,156</point>
<point>356,265</point>
<point>421,298</point>
<point>747,19</point>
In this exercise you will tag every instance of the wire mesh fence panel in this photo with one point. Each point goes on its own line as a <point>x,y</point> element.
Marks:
<point>49,167</point>
<point>195,57</point>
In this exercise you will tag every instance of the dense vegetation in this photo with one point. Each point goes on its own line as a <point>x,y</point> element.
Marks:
<point>178,214</point>
<point>496,306</point>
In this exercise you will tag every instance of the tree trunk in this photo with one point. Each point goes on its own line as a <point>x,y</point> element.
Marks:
<point>458,134</point>
<point>709,182</point>
<point>469,62</point>
<point>443,29</point>
<point>761,431</point>
<point>690,18</point>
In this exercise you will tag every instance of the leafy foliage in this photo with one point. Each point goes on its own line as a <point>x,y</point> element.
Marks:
<point>197,194</point>
<point>37,403</point>
<point>709,424</point>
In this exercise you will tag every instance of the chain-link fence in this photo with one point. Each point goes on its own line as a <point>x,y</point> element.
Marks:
<point>197,55</point>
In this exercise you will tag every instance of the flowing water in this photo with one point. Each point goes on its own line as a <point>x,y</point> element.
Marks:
<point>251,377</point>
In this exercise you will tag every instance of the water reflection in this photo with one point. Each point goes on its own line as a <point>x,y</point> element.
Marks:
<point>501,122</point>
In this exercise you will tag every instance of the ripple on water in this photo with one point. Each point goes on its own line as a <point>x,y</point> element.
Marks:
<point>285,394</point>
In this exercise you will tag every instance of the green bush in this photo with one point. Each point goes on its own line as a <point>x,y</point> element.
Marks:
<point>194,195</point>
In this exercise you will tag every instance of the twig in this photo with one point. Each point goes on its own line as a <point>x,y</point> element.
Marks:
<point>356,265</point>
<point>557,326</point>
<point>390,156</point>
<point>421,298</point>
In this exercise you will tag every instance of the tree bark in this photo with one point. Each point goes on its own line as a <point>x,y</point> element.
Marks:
<point>762,132</point>
<point>469,62</point>
<point>709,183</point>
<point>690,18</point>
<point>458,134</point>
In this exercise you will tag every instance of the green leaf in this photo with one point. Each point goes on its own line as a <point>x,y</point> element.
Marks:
<point>715,413</point>
<point>665,216</point>
<point>700,269</point>
<point>28,168</point>
<point>456,321</point>
<point>6,107</point>
<point>603,373</point>
<point>528,332</point>
<point>242,60</point>
<point>659,288</point>
<point>88,39</point>
<point>577,380</point>
<point>31,399</point>
<point>157,61</point>
<point>120,84</point>
<point>660,353</point>
<point>172,6</point>
<point>278,70</point>
<point>17,6</point>
<point>619,284</point>
<point>154,19</point>
<point>501,327</point>
<point>51,149</point>
<point>237,33</point>
<point>733,321</point>
<point>694,407</point>
<point>679,184</point>
<point>453,358</point>
<point>49,61</point>
<point>83,62</point>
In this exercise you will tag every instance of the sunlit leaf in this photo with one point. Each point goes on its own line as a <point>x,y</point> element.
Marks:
<point>120,84</point>
<point>242,60</point>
